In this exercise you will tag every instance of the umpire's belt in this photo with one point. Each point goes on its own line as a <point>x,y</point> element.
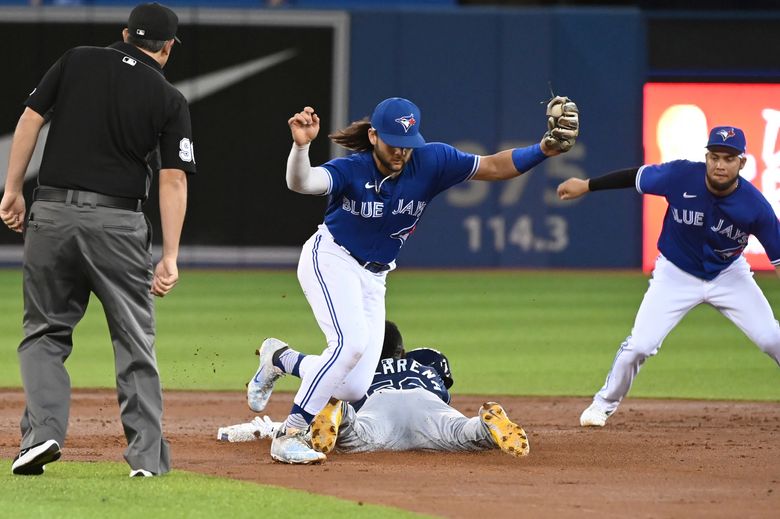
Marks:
<point>371,266</point>
<point>88,198</point>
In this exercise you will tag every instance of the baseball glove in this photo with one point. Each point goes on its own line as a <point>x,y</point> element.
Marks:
<point>563,124</point>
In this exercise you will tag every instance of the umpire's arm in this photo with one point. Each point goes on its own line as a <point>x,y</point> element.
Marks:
<point>173,206</point>
<point>12,207</point>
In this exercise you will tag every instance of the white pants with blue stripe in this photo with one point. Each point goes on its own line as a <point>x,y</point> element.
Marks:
<point>671,295</point>
<point>348,302</point>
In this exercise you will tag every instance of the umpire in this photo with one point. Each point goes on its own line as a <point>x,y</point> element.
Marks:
<point>112,108</point>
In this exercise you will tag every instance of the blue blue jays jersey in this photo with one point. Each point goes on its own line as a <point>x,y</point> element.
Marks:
<point>702,233</point>
<point>372,219</point>
<point>405,374</point>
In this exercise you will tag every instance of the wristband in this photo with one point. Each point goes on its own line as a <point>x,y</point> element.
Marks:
<point>526,158</point>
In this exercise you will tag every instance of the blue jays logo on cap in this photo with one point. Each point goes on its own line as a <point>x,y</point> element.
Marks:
<point>727,137</point>
<point>407,121</point>
<point>726,133</point>
<point>397,121</point>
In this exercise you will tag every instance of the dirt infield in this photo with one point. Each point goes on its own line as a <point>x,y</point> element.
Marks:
<point>656,458</point>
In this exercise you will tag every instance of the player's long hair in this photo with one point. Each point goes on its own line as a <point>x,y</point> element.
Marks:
<point>354,137</point>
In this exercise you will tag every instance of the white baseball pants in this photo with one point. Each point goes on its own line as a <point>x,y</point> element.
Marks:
<point>348,302</point>
<point>671,295</point>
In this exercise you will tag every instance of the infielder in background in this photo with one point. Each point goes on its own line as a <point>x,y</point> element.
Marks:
<point>86,232</point>
<point>377,197</point>
<point>711,214</point>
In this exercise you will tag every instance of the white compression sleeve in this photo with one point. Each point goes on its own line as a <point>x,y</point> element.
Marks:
<point>301,177</point>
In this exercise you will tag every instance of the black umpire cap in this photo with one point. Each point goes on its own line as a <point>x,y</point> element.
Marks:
<point>153,21</point>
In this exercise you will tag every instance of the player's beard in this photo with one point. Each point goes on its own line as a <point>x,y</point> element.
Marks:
<point>386,160</point>
<point>721,186</point>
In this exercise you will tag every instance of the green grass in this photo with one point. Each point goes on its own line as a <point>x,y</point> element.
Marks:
<point>100,490</point>
<point>520,333</point>
<point>508,332</point>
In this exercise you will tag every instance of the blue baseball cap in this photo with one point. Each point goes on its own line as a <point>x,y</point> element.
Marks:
<point>397,121</point>
<point>727,137</point>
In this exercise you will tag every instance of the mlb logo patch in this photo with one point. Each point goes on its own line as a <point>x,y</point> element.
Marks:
<point>407,121</point>
<point>140,32</point>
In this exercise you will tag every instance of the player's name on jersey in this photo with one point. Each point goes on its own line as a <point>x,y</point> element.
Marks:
<point>376,209</point>
<point>391,366</point>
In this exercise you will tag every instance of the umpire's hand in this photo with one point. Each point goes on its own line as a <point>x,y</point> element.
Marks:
<point>12,210</point>
<point>165,277</point>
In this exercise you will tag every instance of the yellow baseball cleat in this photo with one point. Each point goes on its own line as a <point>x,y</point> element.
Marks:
<point>325,426</point>
<point>507,435</point>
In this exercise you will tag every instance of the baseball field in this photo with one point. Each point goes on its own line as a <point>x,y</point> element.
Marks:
<point>696,436</point>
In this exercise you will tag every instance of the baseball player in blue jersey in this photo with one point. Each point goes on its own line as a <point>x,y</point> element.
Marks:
<point>711,214</point>
<point>376,198</point>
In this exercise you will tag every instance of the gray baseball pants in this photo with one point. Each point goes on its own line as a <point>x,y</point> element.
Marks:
<point>71,251</point>
<point>410,419</point>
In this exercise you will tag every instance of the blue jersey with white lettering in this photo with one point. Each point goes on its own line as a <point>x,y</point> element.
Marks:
<point>405,374</point>
<point>702,233</point>
<point>372,218</point>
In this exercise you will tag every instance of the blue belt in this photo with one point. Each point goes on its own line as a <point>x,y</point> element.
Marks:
<point>371,266</point>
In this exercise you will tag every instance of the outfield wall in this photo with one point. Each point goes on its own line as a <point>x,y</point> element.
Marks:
<point>480,76</point>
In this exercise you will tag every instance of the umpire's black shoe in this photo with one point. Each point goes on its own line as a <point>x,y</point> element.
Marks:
<point>32,460</point>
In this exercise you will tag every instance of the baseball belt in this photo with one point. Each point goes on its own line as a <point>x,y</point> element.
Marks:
<point>86,198</point>
<point>371,266</point>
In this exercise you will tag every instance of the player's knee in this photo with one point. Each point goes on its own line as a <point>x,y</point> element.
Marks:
<point>351,392</point>
<point>352,357</point>
<point>769,343</point>
<point>639,348</point>
<point>353,351</point>
<point>354,387</point>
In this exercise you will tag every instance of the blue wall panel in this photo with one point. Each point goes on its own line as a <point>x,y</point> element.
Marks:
<point>480,78</point>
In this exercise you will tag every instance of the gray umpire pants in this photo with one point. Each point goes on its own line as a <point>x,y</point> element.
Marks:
<point>70,251</point>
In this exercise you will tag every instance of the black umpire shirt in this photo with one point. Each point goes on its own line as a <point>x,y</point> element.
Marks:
<point>111,107</point>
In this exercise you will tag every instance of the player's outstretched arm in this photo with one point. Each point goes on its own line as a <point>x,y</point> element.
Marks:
<point>563,125</point>
<point>576,187</point>
<point>301,177</point>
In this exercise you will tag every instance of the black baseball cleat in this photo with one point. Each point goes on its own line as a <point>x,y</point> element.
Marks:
<point>32,460</point>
